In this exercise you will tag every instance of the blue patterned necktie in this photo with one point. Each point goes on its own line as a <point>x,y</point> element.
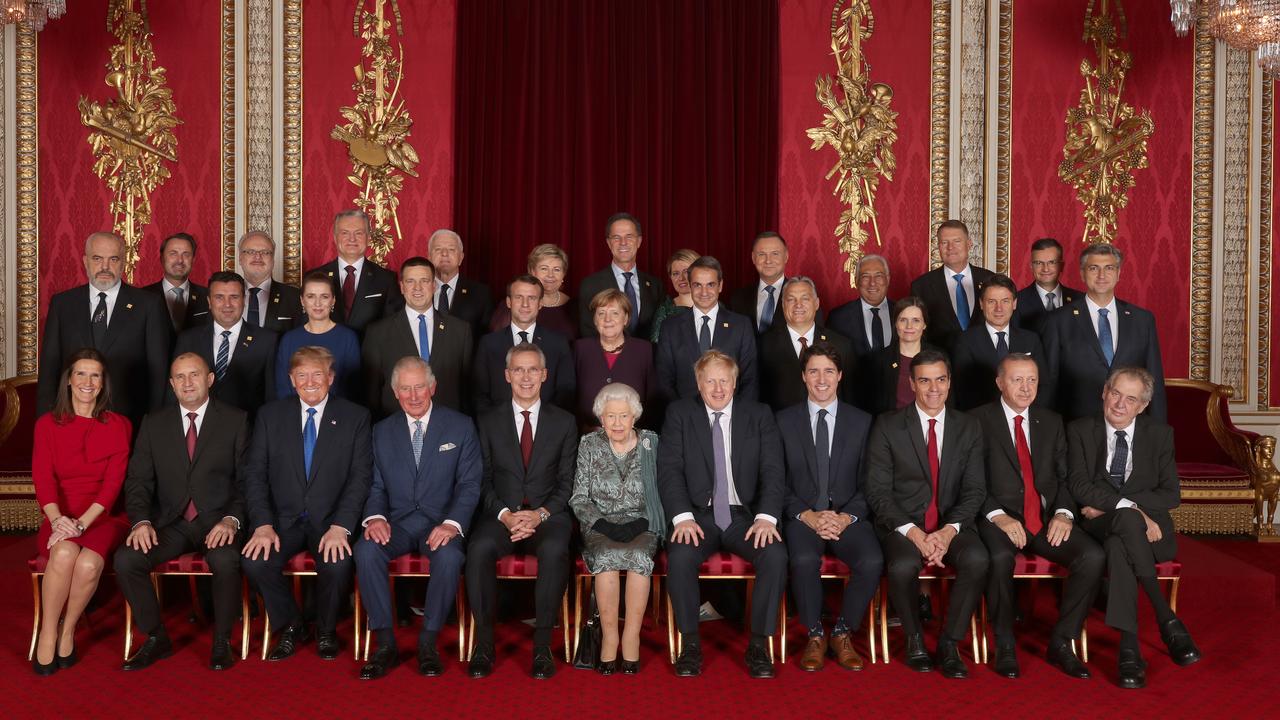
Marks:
<point>766,315</point>
<point>417,443</point>
<point>719,493</point>
<point>1119,460</point>
<point>309,440</point>
<point>630,291</point>
<point>704,335</point>
<point>424,339</point>
<point>223,358</point>
<point>1104,336</point>
<point>962,302</point>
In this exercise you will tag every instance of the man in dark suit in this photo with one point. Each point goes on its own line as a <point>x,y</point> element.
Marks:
<point>781,373</point>
<point>365,291</point>
<point>762,301</point>
<point>426,484</point>
<point>128,326</point>
<point>417,331</point>
<point>866,321</point>
<point>187,303</point>
<point>951,291</point>
<point>1046,294</point>
<point>708,325</point>
<point>270,305</point>
<point>530,448</point>
<point>306,480</point>
<point>643,291</point>
<point>824,442</point>
<point>243,357</point>
<point>1029,509</point>
<point>1083,342</point>
<point>185,492</point>
<point>980,349</point>
<point>926,485</point>
<point>1122,473</point>
<point>492,390</point>
<point>465,298</point>
<point>720,477</point>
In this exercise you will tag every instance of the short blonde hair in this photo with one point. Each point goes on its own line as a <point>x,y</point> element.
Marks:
<point>548,250</point>
<point>712,357</point>
<point>684,254</point>
<point>314,354</point>
<point>614,296</point>
<point>614,392</point>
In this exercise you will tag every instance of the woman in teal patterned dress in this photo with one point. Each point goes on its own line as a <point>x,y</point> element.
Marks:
<point>678,274</point>
<point>615,497</point>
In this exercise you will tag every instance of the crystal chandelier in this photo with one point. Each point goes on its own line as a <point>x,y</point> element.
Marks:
<point>1249,25</point>
<point>32,14</point>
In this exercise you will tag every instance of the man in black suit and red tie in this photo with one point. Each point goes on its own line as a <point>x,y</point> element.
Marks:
<point>530,448</point>
<point>188,303</point>
<point>1029,509</point>
<point>824,442</point>
<point>1047,293</point>
<point>951,291</point>
<point>708,325</point>
<point>268,304</point>
<point>465,298</point>
<point>1123,475</point>
<point>184,493</point>
<point>762,300</point>
<point>722,482</point>
<point>642,290</point>
<point>981,348</point>
<point>365,291</point>
<point>129,326</point>
<point>925,483</point>
<point>306,479</point>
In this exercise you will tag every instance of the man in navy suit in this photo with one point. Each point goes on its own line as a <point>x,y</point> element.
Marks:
<point>426,484</point>
<point>643,291</point>
<point>306,480</point>
<point>365,291</point>
<point>762,300</point>
<point>187,303</point>
<point>866,321</point>
<point>1084,342</point>
<point>981,348</point>
<point>270,305</point>
<point>685,337</point>
<point>951,291</point>
<point>824,442</point>
<point>1047,293</point>
<point>464,298</point>
<point>492,390</point>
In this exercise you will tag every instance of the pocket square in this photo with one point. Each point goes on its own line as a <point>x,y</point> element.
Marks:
<point>447,447</point>
<point>366,297</point>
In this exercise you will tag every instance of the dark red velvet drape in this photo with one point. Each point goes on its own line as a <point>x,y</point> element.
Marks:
<point>570,110</point>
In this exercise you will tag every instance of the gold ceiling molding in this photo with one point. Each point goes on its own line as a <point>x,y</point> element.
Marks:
<point>1004,134</point>
<point>939,121</point>
<point>27,164</point>
<point>1265,317</point>
<point>227,141</point>
<point>1201,286</point>
<point>292,155</point>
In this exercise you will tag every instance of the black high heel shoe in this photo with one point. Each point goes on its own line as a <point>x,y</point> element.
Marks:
<point>44,670</point>
<point>630,667</point>
<point>65,661</point>
<point>607,667</point>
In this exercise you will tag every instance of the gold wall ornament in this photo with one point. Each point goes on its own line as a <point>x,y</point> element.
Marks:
<point>378,124</point>
<point>133,132</point>
<point>860,127</point>
<point>1106,137</point>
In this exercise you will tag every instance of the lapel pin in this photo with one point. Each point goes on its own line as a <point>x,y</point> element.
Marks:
<point>249,339</point>
<point>464,291</point>
<point>724,324</point>
<point>333,422</point>
<point>275,299</point>
<point>128,306</point>
<point>440,326</point>
<point>1126,312</point>
<point>895,365</point>
<point>1075,312</point>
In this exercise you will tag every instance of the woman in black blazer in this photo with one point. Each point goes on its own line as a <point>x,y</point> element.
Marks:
<point>614,357</point>
<point>890,368</point>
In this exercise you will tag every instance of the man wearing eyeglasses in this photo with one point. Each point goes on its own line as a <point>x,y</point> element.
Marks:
<point>1047,293</point>
<point>268,304</point>
<point>643,291</point>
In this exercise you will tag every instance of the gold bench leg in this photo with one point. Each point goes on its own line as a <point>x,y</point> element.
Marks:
<point>356,609</point>
<point>672,640</point>
<point>884,625</point>
<point>1173,594</point>
<point>464,637</point>
<point>871,625</point>
<point>564,623</point>
<point>782,626</point>
<point>37,601</point>
<point>244,618</point>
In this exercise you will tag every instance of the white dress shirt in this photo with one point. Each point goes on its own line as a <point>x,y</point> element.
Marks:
<point>938,430</point>
<point>430,314</point>
<point>264,294</point>
<point>795,338</point>
<point>186,425</point>
<point>302,425</point>
<point>885,321</point>
<point>762,296</point>
<point>1112,319</point>
<point>515,333</point>
<point>535,411</point>
<point>232,339</point>
<point>453,289</point>
<point>1111,453</point>
<point>726,425</point>
<point>966,281</point>
<point>1009,415</point>
<point>342,274</point>
<point>697,315</point>
<point>112,294</point>
<point>995,339</point>
<point>622,282</point>
<point>1044,296</point>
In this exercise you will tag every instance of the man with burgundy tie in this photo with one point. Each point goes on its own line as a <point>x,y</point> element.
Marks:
<point>781,371</point>
<point>365,290</point>
<point>1029,509</point>
<point>185,493</point>
<point>980,349</point>
<point>530,448</point>
<point>643,291</point>
<point>1123,475</point>
<point>925,483</point>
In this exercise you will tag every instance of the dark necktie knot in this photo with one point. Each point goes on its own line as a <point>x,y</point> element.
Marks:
<point>524,338</point>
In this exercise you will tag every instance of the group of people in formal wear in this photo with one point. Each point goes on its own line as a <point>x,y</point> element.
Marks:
<point>369,415</point>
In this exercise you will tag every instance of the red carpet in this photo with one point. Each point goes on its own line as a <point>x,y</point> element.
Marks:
<point>1228,601</point>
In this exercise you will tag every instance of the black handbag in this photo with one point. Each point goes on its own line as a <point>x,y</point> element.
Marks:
<point>587,656</point>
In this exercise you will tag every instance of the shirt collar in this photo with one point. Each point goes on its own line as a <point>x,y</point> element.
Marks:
<point>235,329</point>
<point>1095,307</point>
<point>170,287</point>
<point>1128,429</point>
<point>727,411</point>
<point>697,314</point>
<point>1010,413</point>
<point>1057,292</point>
<point>200,411</point>
<point>533,409</point>
<point>318,406</point>
<point>830,407</point>
<point>992,330</point>
<point>951,274</point>
<point>264,287</point>
<point>809,336</point>
<point>426,418</point>
<point>866,306</point>
<point>342,269</point>
<point>112,292</point>
<point>515,332</point>
<point>776,285</point>
<point>940,417</point>
<point>430,313</point>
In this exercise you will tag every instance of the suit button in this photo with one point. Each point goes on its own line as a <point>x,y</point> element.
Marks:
<point>608,380</point>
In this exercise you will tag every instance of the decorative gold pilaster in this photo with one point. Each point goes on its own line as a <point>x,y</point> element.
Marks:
<point>1202,110</point>
<point>259,115</point>
<point>292,120</point>
<point>1232,282</point>
<point>1265,244</point>
<point>939,121</point>
<point>1004,135</point>
<point>26,132</point>
<point>227,136</point>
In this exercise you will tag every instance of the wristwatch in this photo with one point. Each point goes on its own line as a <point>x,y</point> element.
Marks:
<point>543,516</point>
<point>79,527</point>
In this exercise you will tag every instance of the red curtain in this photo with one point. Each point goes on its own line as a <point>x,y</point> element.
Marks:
<point>570,110</point>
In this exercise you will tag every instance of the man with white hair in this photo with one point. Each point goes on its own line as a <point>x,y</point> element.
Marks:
<point>365,291</point>
<point>464,298</point>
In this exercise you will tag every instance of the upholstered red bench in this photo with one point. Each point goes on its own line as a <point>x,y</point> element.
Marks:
<point>1216,461</point>
<point>833,568</point>
<point>524,567</point>
<point>720,566</point>
<point>943,576</point>
<point>414,565</point>
<point>191,565</point>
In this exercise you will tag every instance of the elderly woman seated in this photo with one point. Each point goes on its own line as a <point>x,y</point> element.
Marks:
<point>615,497</point>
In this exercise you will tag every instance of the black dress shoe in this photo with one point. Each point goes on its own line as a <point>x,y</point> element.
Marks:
<point>221,657</point>
<point>689,663</point>
<point>429,663</point>
<point>1006,662</point>
<point>328,646</point>
<point>1064,658</point>
<point>383,659</point>
<point>1133,669</point>
<point>630,667</point>
<point>544,663</point>
<point>926,608</point>
<point>290,639</point>
<point>949,662</point>
<point>156,647</point>
<point>609,667</point>
<point>1183,651</point>
<point>917,658</point>
<point>481,664</point>
<point>758,663</point>
<point>42,669</point>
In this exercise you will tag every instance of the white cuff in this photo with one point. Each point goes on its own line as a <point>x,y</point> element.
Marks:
<point>1064,511</point>
<point>904,529</point>
<point>771,519</point>
<point>502,512</point>
<point>233,519</point>
<point>140,522</point>
<point>456,525</point>
<point>681,518</point>
<point>954,526</point>
<point>371,518</point>
<point>994,514</point>
<point>1125,503</point>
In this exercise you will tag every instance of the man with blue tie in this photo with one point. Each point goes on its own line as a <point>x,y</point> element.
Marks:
<point>951,291</point>
<point>306,479</point>
<point>762,300</point>
<point>685,337</point>
<point>426,484</point>
<point>642,290</point>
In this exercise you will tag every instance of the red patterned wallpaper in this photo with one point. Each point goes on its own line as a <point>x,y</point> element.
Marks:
<point>329,54</point>
<point>1155,230</point>
<point>73,201</point>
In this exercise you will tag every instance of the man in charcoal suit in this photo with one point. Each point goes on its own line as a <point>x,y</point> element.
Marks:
<point>782,376</point>
<point>268,304</point>
<point>1037,300</point>
<point>464,298</point>
<point>951,291</point>
<point>762,300</point>
<point>708,325</point>
<point>643,291</point>
<point>492,389</point>
<point>365,291</point>
<point>187,303</point>
<point>980,349</point>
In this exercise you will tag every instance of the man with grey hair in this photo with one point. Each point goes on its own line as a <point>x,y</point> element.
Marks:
<point>762,300</point>
<point>466,298</point>
<point>868,324</point>
<point>365,291</point>
<point>781,383</point>
<point>270,305</point>
<point>1084,341</point>
<point>130,327</point>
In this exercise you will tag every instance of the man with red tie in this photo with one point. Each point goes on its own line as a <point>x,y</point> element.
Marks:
<point>925,483</point>
<point>1029,509</point>
<point>365,290</point>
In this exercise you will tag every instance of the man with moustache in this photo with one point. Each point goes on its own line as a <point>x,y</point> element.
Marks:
<point>187,302</point>
<point>708,325</point>
<point>365,291</point>
<point>642,290</point>
<point>465,298</point>
<point>762,300</point>
<point>268,304</point>
<point>782,375</point>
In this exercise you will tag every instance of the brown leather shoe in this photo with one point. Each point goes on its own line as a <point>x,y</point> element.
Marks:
<point>815,654</point>
<point>846,656</point>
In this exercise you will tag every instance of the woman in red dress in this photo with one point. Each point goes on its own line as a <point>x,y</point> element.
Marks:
<point>78,465</point>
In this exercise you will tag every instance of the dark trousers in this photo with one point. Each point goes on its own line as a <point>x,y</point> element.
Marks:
<point>332,579</point>
<point>1079,553</point>
<point>684,560</point>
<point>491,541</point>
<point>966,556</point>
<point>1123,534</point>
<point>409,534</point>
<point>133,573</point>
<point>857,548</point>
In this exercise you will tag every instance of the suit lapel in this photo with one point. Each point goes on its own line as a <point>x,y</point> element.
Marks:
<point>1085,325</point>
<point>540,441</point>
<point>949,435</point>
<point>738,431</point>
<point>299,454</point>
<point>838,433</point>
<point>1124,327</point>
<point>1006,439</point>
<point>430,444</point>
<point>702,436</point>
<point>911,423</point>
<point>326,426</point>
<point>121,315</point>
<point>207,428</point>
<point>721,335</point>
